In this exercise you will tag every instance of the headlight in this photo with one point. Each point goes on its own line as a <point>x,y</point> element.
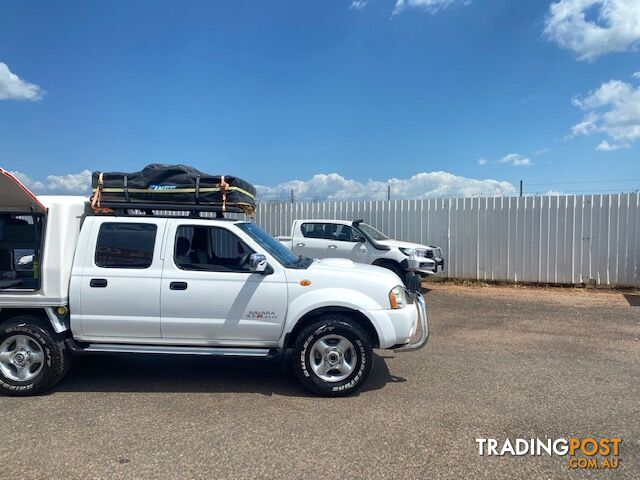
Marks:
<point>397,297</point>
<point>409,252</point>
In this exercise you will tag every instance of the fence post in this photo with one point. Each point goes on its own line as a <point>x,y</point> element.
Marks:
<point>521,187</point>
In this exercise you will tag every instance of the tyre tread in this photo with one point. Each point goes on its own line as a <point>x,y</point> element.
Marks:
<point>57,356</point>
<point>335,320</point>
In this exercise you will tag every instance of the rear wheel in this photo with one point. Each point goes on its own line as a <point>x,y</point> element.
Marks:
<point>333,356</point>
<point>32,359</point>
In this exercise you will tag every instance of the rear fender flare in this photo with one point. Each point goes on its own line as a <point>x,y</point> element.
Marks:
<point>58,323</point>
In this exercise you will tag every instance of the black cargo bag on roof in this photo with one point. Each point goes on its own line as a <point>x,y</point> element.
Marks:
<point>172,187</point>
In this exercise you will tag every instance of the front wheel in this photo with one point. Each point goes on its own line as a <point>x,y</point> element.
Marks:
<point>333,356</point>
<point>32,360</point>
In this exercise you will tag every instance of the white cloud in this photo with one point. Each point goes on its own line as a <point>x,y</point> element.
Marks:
<point>13,87</point>
<point>358,4</point>
<point>612,109</point>
<point>605,146</point>
<point>591,28</point>
<point>636,75</point>
<point>513,159</point>
<point>431,6</point>
<point>70,184</point>
<point>516,160</point>
<point>319,187</point>
<point>587,126</point>
<point>422,185</point>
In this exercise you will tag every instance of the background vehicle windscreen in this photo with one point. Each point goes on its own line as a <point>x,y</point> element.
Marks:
<point>372,232</point>
<point>285,256</point>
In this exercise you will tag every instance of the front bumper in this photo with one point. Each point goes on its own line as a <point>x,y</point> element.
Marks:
<point>423,327</point>
<point>424,265</point>
<point>439,264</point>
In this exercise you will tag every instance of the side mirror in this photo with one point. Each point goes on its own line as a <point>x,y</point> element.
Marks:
<point>358,239</point>
<point>257,263</point>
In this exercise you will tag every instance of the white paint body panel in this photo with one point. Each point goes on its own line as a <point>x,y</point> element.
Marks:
<point>223,307</point>
<point>130,304</point>
<point>343,283</point>
<point>309,247</point>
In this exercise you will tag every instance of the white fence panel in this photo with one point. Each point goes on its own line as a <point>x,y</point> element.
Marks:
<point>573,239</point>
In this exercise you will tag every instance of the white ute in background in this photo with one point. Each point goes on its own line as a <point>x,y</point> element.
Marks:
<point>361,243</point>
<point>89,283</point>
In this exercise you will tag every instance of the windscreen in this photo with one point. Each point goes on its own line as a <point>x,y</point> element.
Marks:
<point>281,253</point>
<point>372,232</point>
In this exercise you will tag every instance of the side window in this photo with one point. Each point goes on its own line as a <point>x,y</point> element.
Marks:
<point>341,233</point>
<point>313,230</point>
<point>20,250</point>
<point>200,247</point>
<point>125,245</point>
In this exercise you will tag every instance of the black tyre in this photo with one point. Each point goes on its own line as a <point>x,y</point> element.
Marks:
<point>333,356</point>
<point>32,359</point>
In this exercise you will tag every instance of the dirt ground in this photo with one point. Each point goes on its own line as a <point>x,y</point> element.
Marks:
<point>501,362</point>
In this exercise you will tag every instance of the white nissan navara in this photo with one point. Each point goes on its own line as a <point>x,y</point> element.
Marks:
<point>184,285</point>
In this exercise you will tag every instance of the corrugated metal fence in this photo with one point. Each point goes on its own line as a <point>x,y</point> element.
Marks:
<point>571,239</point>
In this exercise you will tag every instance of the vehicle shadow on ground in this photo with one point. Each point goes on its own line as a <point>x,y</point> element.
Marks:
<point>184,373</point>
<point>634,300</point>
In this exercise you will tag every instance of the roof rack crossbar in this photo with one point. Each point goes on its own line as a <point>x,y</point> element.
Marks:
<point>178,207</point>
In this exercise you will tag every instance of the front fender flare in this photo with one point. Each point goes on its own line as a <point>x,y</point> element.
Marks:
<point>338,297</point>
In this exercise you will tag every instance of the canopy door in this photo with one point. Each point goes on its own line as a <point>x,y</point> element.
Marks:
<point>15,197</point>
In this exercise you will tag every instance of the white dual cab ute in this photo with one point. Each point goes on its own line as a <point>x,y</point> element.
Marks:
<point>184,285</point>
<point>360,242</point>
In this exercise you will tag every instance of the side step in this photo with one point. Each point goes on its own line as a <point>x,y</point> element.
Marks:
<point>161,349</point>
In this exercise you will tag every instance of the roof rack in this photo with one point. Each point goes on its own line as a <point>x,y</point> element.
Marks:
<point>148,209</point>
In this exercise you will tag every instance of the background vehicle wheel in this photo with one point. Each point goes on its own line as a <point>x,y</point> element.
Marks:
<point>32,359</point>
<point>333,356</point>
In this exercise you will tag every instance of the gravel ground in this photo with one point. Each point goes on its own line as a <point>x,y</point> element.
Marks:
<point>501,361</point>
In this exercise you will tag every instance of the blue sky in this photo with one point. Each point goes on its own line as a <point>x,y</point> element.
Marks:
<point>277,91</point>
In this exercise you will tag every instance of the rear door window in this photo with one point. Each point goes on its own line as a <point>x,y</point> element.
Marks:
<point>314,230</point>
<point>125,245</point>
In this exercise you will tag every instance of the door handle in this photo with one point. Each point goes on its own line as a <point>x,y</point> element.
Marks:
<point>98,283</point>
<point>300,244</point>
<point>333,246</point>
<point>178,286</point>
